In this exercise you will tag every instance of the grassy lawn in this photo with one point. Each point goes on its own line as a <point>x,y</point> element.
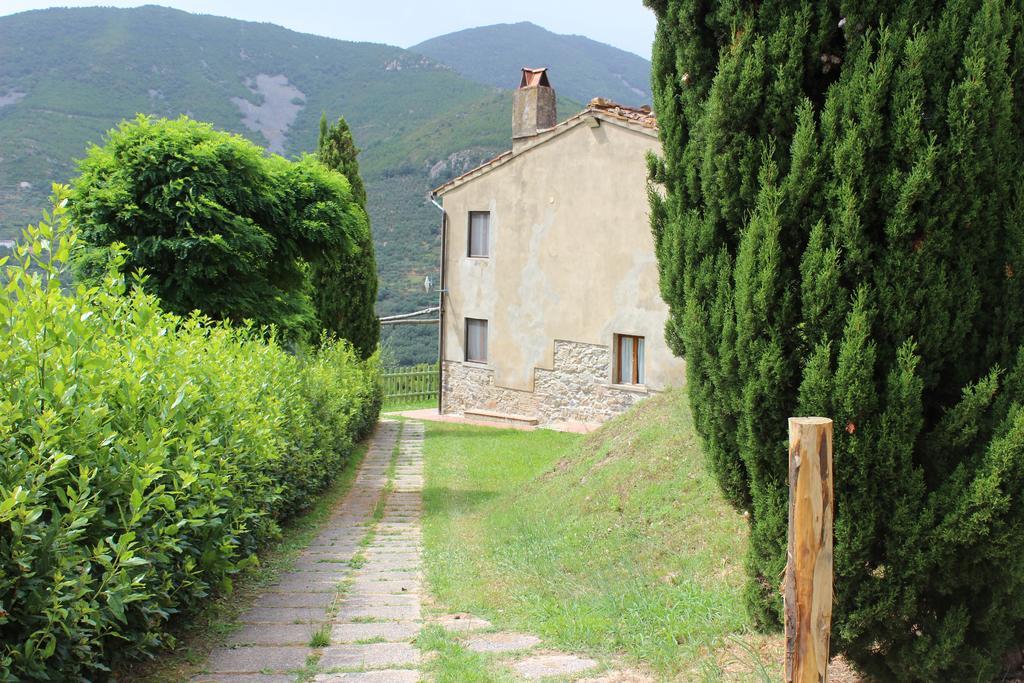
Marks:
<point>614,544</point>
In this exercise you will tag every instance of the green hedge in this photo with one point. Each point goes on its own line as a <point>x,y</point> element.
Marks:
<point>143,458</point>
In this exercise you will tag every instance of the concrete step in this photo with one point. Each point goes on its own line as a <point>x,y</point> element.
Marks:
<point>480,415</point>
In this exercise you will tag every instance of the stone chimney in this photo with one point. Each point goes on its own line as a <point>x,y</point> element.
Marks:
<point>533,105</point>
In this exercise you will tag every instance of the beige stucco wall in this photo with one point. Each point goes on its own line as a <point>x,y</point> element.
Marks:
<point>571,256</point>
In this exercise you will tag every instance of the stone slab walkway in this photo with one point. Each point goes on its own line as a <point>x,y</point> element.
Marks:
<point>351,603</point>
<point>351,608</point>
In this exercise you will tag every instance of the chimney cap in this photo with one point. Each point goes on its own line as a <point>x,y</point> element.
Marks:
<point>533,77</point>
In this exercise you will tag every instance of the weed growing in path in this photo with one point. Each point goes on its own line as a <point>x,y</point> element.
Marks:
<point>371,641</point>
<point>453,663</point>
<point>321,637</point>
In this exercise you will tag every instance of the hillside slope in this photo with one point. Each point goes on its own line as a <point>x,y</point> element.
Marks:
<point>582,68</point>
<point>618,542</point>
<point>69,75</point>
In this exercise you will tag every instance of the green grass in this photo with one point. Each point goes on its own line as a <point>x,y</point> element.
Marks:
<point>618,543</point>
<point>322,637</point>
<point>449,661</point>
<point>372,641</point>
<point>306,673</point>
<point>209,628</point>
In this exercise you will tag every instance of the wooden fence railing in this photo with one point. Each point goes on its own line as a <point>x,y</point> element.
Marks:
<point>406,385</point>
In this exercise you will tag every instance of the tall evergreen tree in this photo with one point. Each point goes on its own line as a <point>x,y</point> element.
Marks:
<point>352,316</point>
<point>842,233</point>
<point>337,150</point>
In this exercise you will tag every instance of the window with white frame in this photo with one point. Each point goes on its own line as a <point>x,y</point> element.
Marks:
<point>629,359</point>
<point>476,340</point>
<point>479,234</point>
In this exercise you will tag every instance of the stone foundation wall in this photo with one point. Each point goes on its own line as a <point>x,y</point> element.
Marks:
<point>467,386</point>
<point>576,389</point>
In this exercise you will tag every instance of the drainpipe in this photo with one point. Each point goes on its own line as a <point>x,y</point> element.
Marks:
<point>440,306</point>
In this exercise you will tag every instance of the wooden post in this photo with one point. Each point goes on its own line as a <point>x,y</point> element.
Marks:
<point>808,587</point>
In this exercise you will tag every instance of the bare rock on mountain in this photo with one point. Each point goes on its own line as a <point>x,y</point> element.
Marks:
<point>280,105</point>
<point>12,97</point>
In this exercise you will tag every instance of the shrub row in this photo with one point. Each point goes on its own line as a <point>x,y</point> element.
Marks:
<point>143,458</point>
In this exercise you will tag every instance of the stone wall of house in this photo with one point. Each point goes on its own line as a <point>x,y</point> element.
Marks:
<point>576,389</point>
<point>468,387</point>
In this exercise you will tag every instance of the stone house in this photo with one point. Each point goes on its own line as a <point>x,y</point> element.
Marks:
<point>550,307</point>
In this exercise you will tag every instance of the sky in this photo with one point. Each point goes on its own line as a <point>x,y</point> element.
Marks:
<point>408,22</point>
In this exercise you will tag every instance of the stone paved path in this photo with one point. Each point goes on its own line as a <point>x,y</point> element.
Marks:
<point>350,609</point>
<point>352,601</point>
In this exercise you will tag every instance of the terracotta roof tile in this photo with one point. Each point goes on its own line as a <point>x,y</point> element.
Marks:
<point>642,115</point>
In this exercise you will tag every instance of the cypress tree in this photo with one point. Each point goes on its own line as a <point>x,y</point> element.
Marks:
<point>351,316</point>
<point>337,150</point>
<point>841,233</point>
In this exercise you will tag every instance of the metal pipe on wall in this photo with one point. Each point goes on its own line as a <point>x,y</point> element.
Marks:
<point>440,306</point>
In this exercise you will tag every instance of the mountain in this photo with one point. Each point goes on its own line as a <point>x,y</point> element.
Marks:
<point>69,75</point>
<point>581,68</point>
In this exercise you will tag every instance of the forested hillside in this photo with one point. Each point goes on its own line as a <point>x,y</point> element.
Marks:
<point>416,120</point>
<point>581,68</point>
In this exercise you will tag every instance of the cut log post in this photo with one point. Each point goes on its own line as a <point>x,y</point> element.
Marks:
<point>808,587</point>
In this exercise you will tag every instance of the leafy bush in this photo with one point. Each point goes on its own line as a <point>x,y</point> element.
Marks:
<point>144,457</point>
<point>842,234</point>
<point>220,227</point>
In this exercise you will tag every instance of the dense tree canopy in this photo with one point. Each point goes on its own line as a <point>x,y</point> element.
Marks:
<point>352,316</point>
<point>842,233</point>
<point>217,226</point>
